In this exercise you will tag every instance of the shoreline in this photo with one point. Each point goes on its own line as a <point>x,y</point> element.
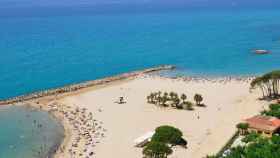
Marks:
<point>58,119</point>
<point>36,99</point>
<point>59,113</point>
<point>53,153</point>
<point>86,84</point>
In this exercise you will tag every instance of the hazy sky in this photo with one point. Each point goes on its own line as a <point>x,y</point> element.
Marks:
<point>28,3</point>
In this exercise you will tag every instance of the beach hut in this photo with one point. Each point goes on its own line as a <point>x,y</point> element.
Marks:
<point>265,125</point>
<point>143,140</point>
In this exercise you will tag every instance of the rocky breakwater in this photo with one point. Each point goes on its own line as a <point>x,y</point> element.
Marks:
<point>78,86</point>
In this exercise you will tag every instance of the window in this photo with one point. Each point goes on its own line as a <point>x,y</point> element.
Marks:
<point>268,133</point>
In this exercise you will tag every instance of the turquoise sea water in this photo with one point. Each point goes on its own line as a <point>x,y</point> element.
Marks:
<point>21,136</point>
<point>40,52</point>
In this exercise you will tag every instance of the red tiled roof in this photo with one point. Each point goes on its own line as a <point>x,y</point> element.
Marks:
<point>276,122</point>
<point>264,123</point>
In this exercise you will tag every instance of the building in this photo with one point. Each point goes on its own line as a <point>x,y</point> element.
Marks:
<point>265,125</point>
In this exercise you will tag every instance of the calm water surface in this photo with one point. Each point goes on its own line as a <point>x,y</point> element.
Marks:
<point>50,51</point>
<point>24,132</point>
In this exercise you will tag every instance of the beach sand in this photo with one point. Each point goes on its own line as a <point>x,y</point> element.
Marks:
<point>228,103</point>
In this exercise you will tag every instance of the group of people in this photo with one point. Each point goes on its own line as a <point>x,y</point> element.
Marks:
<point>86,132</point>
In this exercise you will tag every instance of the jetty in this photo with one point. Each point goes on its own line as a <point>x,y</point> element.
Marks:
<point>83,85</point>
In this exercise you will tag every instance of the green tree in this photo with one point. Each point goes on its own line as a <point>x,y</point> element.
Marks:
<point>157,150</point>
<point>168,135</point>
<point>274,110</point>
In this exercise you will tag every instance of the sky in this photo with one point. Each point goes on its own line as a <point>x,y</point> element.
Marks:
<point>58,3</point>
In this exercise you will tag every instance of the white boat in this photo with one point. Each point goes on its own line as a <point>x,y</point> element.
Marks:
<point>261,51</point>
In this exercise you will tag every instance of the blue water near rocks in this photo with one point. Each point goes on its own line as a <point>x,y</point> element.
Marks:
<point>40,52</point>
<point>22,137</point>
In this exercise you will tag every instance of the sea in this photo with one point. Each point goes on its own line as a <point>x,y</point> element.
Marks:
<point>50,48</point>
<point>55,49</point>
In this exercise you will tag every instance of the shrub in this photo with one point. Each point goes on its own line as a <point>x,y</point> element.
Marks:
<point>179,106</point>
<point>242,127</point>
<point>276,140</point>
<point>188,105</point>
<point>252,137</point>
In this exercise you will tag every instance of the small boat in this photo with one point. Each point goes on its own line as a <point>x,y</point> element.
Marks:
<point>261,51</point>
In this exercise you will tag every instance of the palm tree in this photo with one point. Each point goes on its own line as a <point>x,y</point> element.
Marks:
<point>165,94</point>
<point>183,97</point>
<point>159,93</point>
<point>268,83</point>
<point>153,98</point>
<point>158,97</point>
<point>171,94</point>
<point>149,98</point>
<point>164,99</point>
<point>198,99</point>
<point>176,96</point>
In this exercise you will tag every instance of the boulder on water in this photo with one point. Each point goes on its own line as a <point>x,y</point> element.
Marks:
<point>261,51</point>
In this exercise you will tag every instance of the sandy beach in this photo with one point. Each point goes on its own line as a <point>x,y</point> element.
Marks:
<point>228,102</point>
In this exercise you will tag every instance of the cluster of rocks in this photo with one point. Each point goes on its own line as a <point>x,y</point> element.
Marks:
<point>75,87</point>
<point>86,132</point>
